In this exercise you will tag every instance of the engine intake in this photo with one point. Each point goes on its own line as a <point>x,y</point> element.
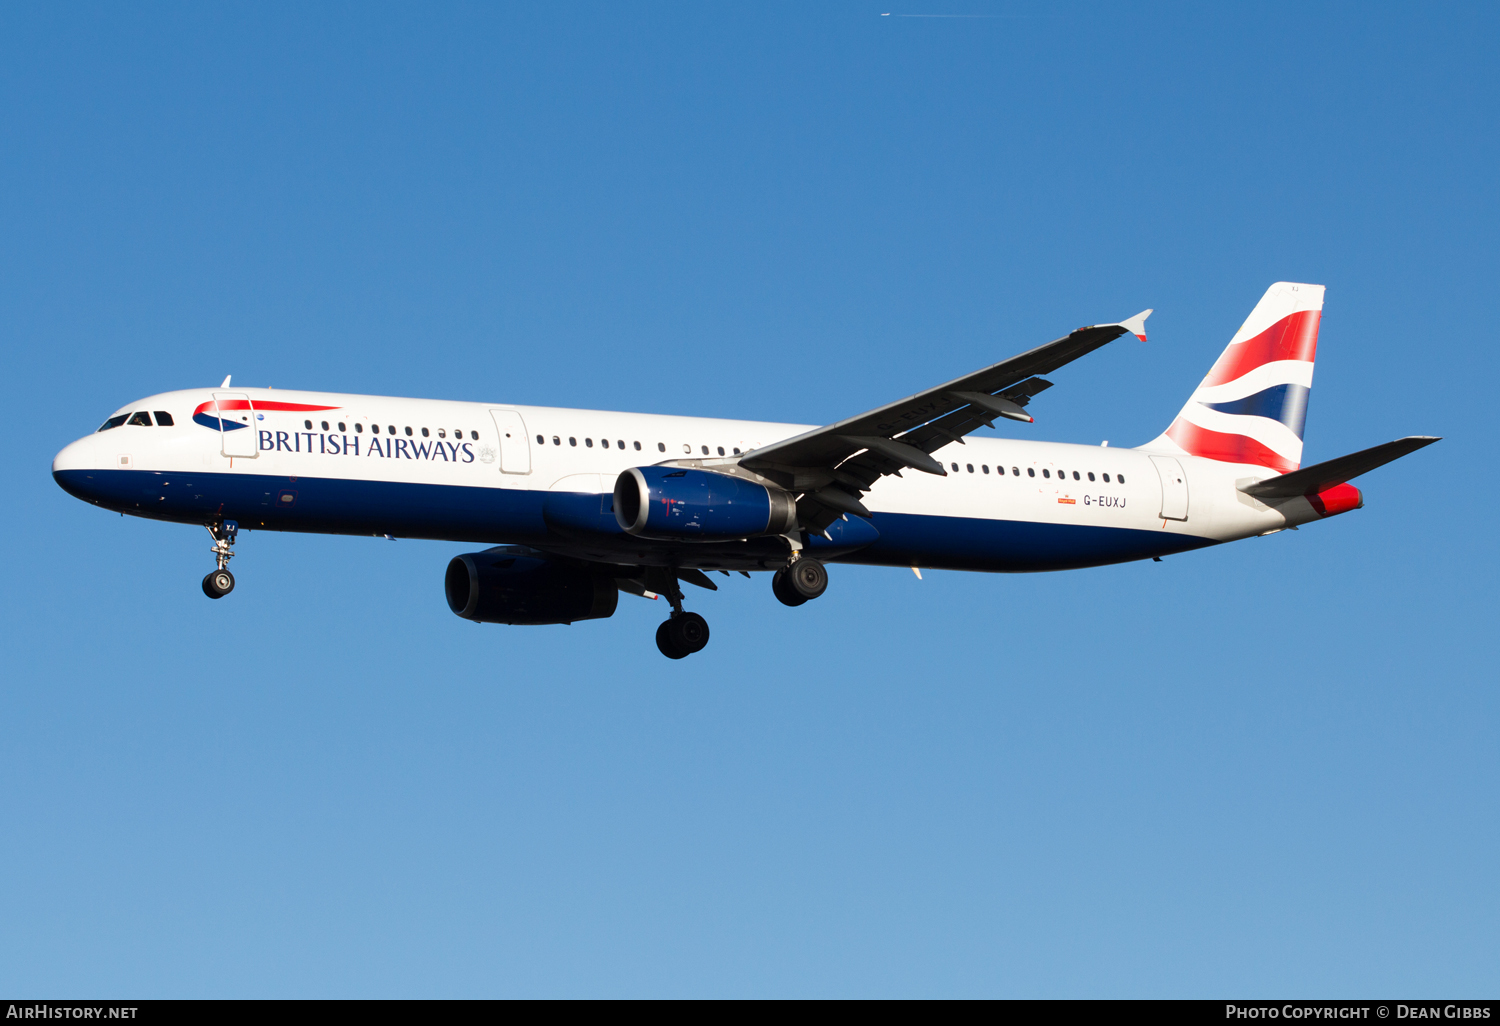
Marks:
<point>699,505</point>
<point>502,586</point>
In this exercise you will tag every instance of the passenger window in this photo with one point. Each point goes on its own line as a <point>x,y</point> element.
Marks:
<point>143,419</point>
<point>736,452</point>
<point>1075,475</point>
<point>1091,475</point>
<point>164,419</point>
<point>375,429</point>
<point>985,467</point>
<point>1031,472</point>
<point>637,446</point>
<point>391,429</point>
<point>705,450</point>
<point>687,448</point>
<point>358,428</point>
<point>620,443</point>
<point>604,442</point>
<point>721,450</point>
<point>556,440</point>
<point>572,440</point>
<point>661,446</point>
<point>474,435</point>
<point>114,422</point>
<point>325,425</point>
<point>1046,473</point>
<point>955,467</point>
<point>341,426</point>
<point>970,466</point>
<point>426,435</point>
<point>307,424</point>
<point>1016,471</point>
<point>1119,479</point>
<point>1106,479</point>
<point>441,432</point>
<point>589,442</point>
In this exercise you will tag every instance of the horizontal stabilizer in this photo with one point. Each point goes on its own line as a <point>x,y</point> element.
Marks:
<point>1322,476</point>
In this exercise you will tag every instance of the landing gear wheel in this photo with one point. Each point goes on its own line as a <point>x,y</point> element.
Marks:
<point>782,589</point>
<point>682,635</point>
<point>218,584</point>
<point>688,632</point>
<point>808,578</point>
<point>666,644</point>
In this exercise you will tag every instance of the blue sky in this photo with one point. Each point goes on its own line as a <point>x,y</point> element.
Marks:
<point>1264,769</point>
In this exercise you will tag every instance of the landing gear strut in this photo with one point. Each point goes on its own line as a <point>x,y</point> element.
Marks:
<point>221,582</point>
<point>800,582</point>
<point>683,633</point>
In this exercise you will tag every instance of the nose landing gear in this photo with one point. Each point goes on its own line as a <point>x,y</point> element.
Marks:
<point>221,582</point>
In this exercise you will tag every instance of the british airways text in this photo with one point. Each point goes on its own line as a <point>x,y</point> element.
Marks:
<point>345,445</point>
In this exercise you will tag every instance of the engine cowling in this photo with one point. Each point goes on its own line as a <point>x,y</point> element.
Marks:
<point>501,586</point>
<point>699,505</point>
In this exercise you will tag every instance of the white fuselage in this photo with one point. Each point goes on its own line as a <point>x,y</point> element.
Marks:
<point>392,466</point>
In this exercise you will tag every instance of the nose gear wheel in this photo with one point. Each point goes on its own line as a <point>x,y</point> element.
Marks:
<point>218,584</point>
<point>221,582</point>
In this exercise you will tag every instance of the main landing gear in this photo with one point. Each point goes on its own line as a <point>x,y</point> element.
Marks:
<point>221,582</point>
<point>682,633</point>
<point>800,582</point>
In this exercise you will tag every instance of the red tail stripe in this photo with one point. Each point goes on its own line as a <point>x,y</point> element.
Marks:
<point>1294,337</point>
<point>1215,445</point>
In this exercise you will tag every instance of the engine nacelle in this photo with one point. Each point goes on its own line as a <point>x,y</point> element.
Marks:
<point>502,586</point>
<point>699,505</point>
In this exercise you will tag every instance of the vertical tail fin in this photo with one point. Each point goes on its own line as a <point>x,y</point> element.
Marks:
<point>1252,405</point>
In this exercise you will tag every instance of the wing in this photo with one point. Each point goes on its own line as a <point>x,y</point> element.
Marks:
<point>832,466</point>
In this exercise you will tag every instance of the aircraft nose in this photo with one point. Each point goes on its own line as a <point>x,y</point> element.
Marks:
<point>80,469</point>
<point>80,455</point>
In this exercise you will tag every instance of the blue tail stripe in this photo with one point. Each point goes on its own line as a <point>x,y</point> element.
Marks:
<point>1286,403</point>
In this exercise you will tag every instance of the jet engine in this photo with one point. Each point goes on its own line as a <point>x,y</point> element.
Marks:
<point>504,585</point>
<point>699,505</point>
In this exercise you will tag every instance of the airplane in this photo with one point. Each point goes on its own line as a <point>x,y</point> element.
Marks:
<point>579,506</point>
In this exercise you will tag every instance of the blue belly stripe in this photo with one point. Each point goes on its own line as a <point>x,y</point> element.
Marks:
<point>493,516</point>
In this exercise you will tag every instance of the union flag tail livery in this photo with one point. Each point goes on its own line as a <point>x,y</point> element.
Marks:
<point>582,506</point>
<point>1251,407</point>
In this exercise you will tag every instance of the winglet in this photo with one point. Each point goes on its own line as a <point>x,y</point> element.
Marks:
<point>226,380</point>
<point>1137,325</point>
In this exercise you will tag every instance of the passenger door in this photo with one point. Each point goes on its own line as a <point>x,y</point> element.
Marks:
<point>1174,490</point>
<point>237,428</point>
<point>515,446</point>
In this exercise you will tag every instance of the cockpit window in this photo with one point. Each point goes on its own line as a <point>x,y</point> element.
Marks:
<point>114,422</point>
<point>163,418</point>
<point>142,418</point>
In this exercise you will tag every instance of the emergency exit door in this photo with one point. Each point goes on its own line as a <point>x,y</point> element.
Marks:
<point>1174,490</point>
<point>237,427</point>
<point>515,446</point>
